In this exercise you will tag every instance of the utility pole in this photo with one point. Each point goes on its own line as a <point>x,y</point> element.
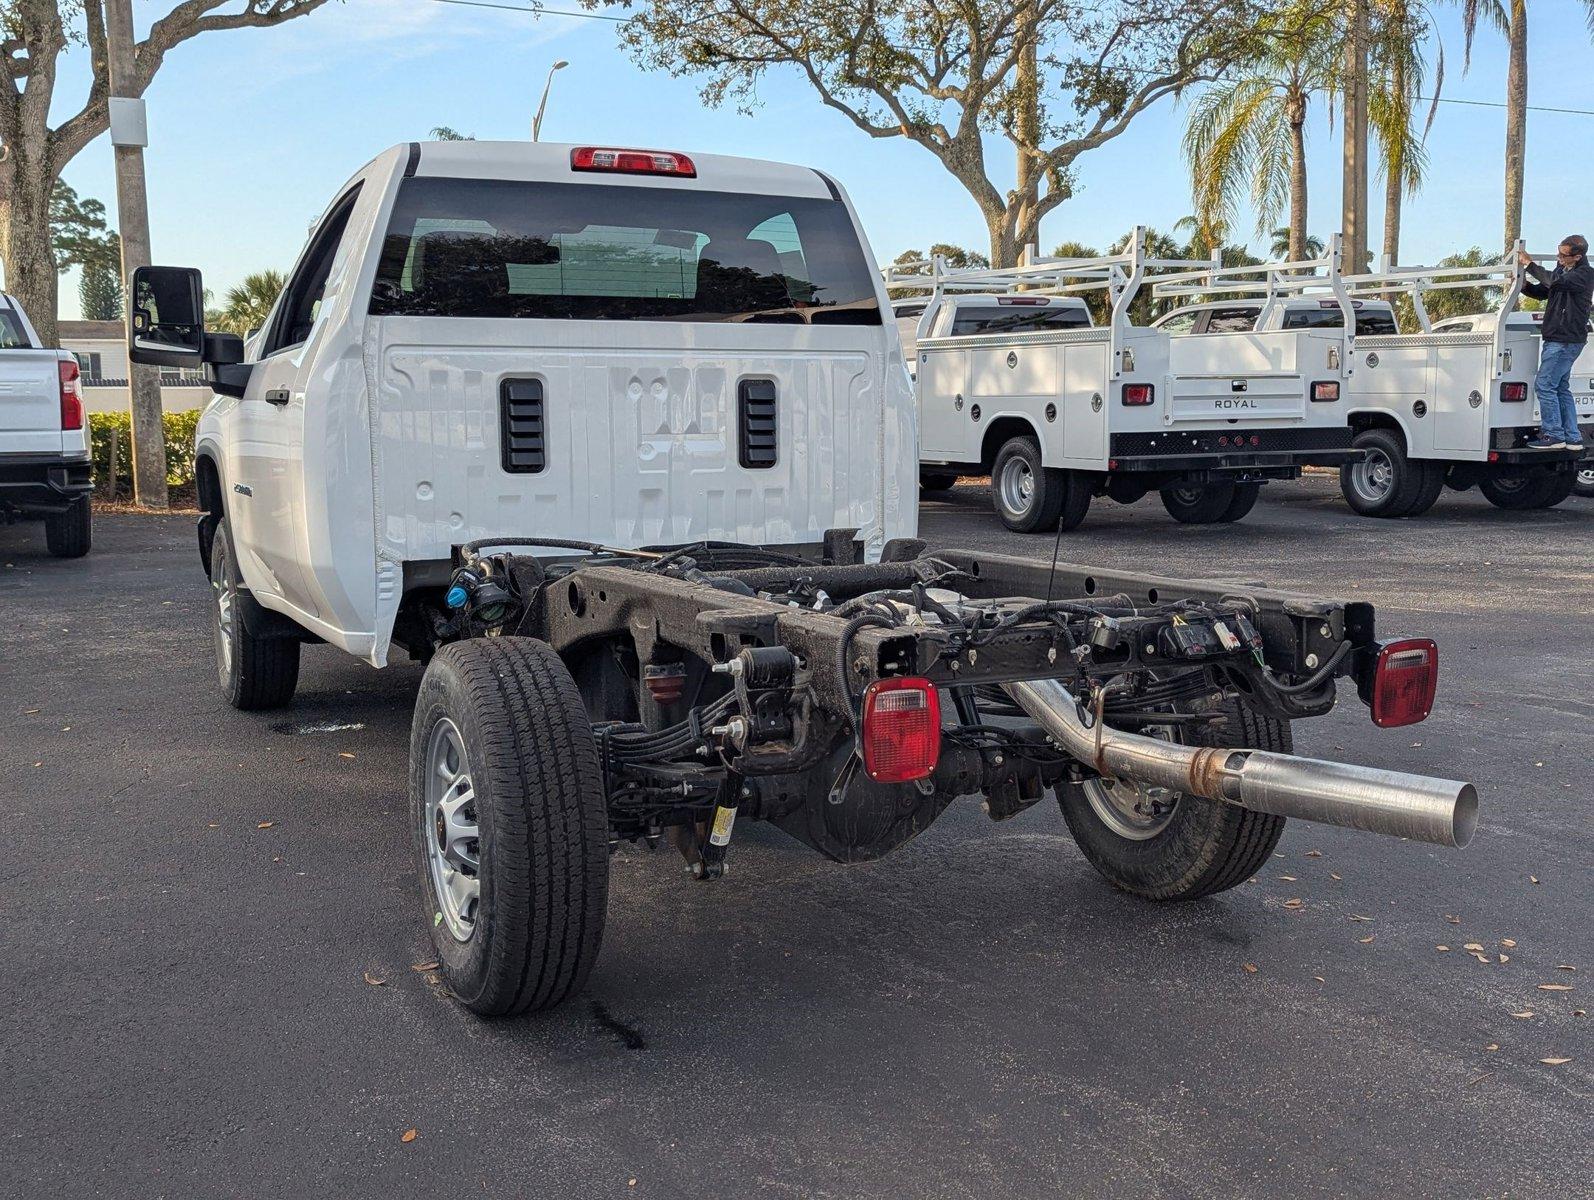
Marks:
<point>1353,220</point>
<point>132,217</point>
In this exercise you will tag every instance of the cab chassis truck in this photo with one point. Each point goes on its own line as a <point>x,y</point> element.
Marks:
<point>584,692</point>
<point>1120,410</point>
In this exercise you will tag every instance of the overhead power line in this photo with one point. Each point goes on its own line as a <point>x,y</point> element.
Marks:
<point>589,16</point>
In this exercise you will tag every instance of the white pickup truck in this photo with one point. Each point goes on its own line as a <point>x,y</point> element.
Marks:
<point>44,437</point>
<point>1059,412</point>
<point>621,444</point>
<point>1449,404</point>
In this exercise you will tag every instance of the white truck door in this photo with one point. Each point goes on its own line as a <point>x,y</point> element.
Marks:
<point>1460,379</point>
<point>266,477</point>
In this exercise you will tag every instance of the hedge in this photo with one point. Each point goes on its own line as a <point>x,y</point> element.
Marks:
<point>180,428</point>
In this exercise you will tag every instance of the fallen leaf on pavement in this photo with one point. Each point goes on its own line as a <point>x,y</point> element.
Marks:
<point>1314,854</point>
<point>1295,902</point>
<point>265,825</point>
<point>425,966</point>
<point>1354,917</point>
<point>1443,949</point>
<point>1287,878</point>
<point>1523,1015</point>
<point>1368,938</point>
<point>1505,958</point>
<point>344,754</point>
<point>1533,878</point>
<point>374,981</point>
<point>1452,920</point>
<point>28,712</point>
<point>1250,968</point>
<point>1319,979</point>
<point>1554,1062</point>
<point>1555,987</point>
<point>1473,946</point>
<point>1492,1047</point>
<point>1331,875</point>
<point>409,1135</point>
<point>1508,943</point>
<point>1565,967</point>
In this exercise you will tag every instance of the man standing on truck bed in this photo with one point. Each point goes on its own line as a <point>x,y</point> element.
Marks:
<point>1566,293</point>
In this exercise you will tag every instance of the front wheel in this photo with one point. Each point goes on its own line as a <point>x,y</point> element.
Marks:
<point>1165,845</point>
<point>510,822</point>
<point>70,534</point>
<point>1032,498</point>
<point>254,672</point>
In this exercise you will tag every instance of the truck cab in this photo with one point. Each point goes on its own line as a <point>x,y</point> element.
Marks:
<point>1014,380</point>
<point>44,436</point>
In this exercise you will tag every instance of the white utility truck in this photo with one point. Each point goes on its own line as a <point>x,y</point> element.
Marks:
<point>1449,404</point>
<point>620,442</point>
<point>44,437</point>
<point>1059,415</point>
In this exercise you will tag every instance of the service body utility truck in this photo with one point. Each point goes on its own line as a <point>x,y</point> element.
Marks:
<point>620,442</point>
<point>44,437</point>
<point>1059,415</point>
<point>1450,404</point>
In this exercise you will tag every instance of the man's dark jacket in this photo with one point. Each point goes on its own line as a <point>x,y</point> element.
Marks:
<point>1567,294</point>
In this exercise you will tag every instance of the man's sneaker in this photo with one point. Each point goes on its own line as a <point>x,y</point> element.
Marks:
<point>1545,443</point>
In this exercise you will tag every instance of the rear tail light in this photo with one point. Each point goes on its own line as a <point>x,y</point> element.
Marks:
<point>1514,393</point>
<point>1138,395</point>
<point>901,729</point>
<point>71,395</point>
<point>632,162</point>
<point>1325,393</point>
<point>1405,677</point>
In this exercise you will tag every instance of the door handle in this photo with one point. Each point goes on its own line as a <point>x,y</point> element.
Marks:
<point>277,396</point>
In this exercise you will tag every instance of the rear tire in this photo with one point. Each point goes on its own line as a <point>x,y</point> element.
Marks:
<point>511,825</point>
<point>70,534</point>
<point>1520,491</point>
<point>1387,483</point>
<point>1031,498</point>
<point>1206,504</point>
<point>1245,498</point>
<point>1197,848</point>
<point>255,673</point>
<point>1561,486</point>
<point>1433,485</point>
<point>935,481</point>
<point>1584,486</point>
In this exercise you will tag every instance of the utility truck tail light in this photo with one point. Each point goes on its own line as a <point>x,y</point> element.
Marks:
<point>632,162</point>
<point>901,729</point>
<point>1514,393</point>
<point>71,395</point>
<point>1325,392</point>
<point>1405,677</point>
<point>1138,395</point>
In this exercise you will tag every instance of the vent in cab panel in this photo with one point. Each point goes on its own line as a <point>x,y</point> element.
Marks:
<point>756,422</point>
<point>523,426</point>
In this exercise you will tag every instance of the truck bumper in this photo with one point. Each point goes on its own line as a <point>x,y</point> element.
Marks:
<point>1238,455</point>
<point>43,484</point>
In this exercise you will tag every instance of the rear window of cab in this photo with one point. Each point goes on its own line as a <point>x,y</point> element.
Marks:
<point>505,248</point>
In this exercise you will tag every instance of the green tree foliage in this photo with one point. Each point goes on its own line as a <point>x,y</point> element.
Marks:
<point>447,133</point>
<point>248,304</point>
<point>99,293</point>
<point>79,238</point>
<point>1055,79</point>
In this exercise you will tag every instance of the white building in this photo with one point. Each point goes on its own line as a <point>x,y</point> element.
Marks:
<point>101,350</point>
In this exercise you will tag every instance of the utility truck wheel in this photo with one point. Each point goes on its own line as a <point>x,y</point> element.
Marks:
<point>1245,498</point>
<point>936,481</point>
<point>511,826</point>
<point>1205,504</point>
<point>254,672</point>
<point>70,534</point>
<point>1031,498</point>
<point>1518,491</point>
<point>1585,481</point>
<point>1164,845</point>
<point>1561,486</point>
<point>1433,486</point>
<point>1386,483</point>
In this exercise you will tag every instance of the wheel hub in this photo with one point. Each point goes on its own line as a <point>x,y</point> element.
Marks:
<point>1017,485</point>
<point>453,838</point>
<point>1132,810</point>
<point>1373,476</point>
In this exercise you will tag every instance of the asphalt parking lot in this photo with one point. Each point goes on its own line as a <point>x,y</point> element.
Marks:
<point>209,924</point>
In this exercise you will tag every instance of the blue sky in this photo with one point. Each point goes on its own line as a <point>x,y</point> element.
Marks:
<point>252,131</point>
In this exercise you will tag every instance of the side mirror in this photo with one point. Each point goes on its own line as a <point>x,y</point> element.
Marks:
<point>168,317</point>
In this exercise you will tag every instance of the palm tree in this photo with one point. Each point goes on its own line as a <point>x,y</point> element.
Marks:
<point>1510,17</point>
<point>1280,246</point>
<point>250,302</point>
<point>1249,131</point>
<point>1399,75</point>
<point>447,133</point>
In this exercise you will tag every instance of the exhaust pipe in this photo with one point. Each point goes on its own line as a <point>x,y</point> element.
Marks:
<point>1441,811</point>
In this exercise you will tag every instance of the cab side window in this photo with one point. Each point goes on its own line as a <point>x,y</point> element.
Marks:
<point>301,297</point>
<point>1181,323</point>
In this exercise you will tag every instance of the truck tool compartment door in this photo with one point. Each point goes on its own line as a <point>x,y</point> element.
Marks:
<point>624,363</point>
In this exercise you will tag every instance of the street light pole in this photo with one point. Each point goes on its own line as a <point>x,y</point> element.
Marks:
<point>132,216</point>
<point>536,122</point>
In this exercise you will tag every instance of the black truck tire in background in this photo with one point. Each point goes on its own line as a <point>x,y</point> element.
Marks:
<point>1584,479</point>
<point>1208,503</point>
<point>70,534</point>
<point>1205,846</point>
<point>1519,491</point>
<point>255,672</point>
<point>1561,486</point>
<point>1053,499</point>
<point>544,830</point>
<point>937,481</point>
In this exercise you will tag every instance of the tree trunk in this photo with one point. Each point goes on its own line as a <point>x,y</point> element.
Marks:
<point>1296,112</point>
<point>25,243</point>
<point>1021,222</point>
<point>1354,181</point>
<point>1516,121</point>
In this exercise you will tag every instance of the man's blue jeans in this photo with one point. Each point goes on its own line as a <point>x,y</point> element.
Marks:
<point>1557,410</point>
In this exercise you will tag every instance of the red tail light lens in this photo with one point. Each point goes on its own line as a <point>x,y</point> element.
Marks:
<point>71,395</point>
<point>1138,395</point>
<point>1514,393</point>
<point>901,729</point>
<point>1404,681</point>
<point>632,162</point>
<point>1325,393</point>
